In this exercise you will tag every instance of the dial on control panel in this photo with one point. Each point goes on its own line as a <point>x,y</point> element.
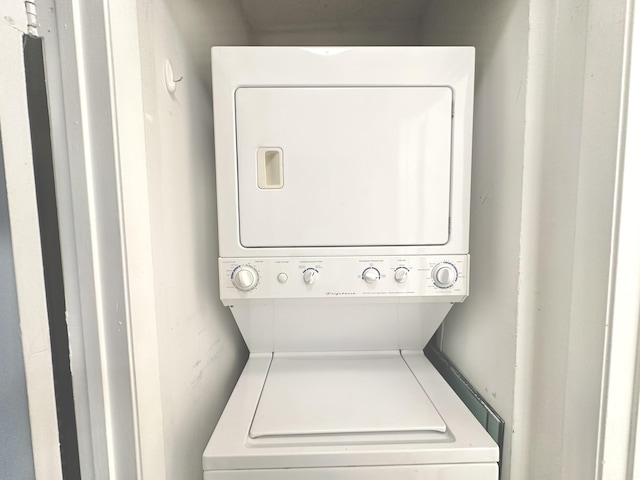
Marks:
<point>245,278</point>
<point>401,274</point>
<point>310,276</point>
<point>371,275</point>
<point>444,275</point>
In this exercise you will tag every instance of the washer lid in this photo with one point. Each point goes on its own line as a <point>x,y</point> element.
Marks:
<point>307,394</point>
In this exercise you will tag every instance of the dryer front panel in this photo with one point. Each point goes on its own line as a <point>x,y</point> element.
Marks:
<point>343,166</point>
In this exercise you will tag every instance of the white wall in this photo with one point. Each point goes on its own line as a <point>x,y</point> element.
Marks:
<point>200,351</point>
<point>386,35</point>
<point>531,335</point>
<point>203,24</point>
<point>479,336</point>
<point>334,22</point>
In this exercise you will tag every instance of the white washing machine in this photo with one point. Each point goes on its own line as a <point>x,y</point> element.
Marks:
<point>343,180</point>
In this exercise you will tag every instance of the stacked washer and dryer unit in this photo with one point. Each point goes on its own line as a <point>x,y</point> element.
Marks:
<point>343,179</point>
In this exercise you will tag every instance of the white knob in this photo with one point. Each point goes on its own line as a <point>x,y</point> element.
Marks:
<point>401,274</point>
<point>444,275</point>
<point>310,276</point>
<point>245,278</point>
<point>371,275</point>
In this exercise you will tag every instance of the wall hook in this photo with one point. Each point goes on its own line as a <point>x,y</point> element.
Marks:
<point>169,77</point>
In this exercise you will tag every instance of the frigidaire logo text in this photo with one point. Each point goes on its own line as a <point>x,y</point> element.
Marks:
<point>339,294</point>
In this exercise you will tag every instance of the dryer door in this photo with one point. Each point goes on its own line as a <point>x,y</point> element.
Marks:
<point>343,166</point>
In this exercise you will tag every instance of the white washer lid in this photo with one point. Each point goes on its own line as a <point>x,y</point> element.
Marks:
<point>339,393</point>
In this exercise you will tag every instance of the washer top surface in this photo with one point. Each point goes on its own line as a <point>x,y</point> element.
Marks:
<point>342,394</point>
<point>232,448</point>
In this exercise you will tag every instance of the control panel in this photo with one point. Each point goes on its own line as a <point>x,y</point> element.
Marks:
<point>435,276</point>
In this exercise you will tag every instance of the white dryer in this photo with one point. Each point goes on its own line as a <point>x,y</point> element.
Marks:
<point>343,179</point>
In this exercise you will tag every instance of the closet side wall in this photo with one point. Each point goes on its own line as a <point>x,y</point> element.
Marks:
<point>479,336</point>
<point>200,351</point>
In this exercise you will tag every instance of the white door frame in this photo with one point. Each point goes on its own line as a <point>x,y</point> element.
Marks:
<point>25,238</point>
<point>82,53</point>
<point>100,161</point>
<point>619,450</point>
<point>91,134</point>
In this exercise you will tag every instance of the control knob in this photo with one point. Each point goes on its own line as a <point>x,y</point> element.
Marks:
<point>245,278</point>
<point>401,274</point>
<point>371,275</point>
<point>310,276</point>
<point>444,275</point>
